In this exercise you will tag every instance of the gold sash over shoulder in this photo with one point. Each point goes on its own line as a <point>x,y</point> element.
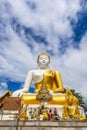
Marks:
<point>53,82</point>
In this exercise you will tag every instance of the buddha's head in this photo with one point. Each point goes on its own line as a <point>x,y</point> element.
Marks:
<point>43,60</point>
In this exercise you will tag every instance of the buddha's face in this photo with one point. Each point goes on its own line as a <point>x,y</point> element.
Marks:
<point>43,60</point>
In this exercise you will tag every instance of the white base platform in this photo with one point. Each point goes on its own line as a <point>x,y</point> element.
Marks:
<point>12,115</point>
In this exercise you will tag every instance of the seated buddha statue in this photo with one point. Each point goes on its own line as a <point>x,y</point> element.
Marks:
<point>51,78</point>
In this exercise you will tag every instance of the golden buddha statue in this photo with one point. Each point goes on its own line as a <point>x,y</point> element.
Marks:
<point>51,78</point>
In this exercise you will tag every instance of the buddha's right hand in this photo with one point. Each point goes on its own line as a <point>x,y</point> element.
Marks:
<point>18,93</point>
<point>51,92</point>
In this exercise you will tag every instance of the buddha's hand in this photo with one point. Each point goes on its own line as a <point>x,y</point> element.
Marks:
<point>18,93</point>
<point>51,92</point>
<point>58,90</point>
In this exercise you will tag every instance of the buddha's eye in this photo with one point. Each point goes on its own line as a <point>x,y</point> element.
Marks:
<point>41,58</point>
<point>45,58</point>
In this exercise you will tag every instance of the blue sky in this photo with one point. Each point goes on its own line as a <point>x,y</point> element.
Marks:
<point>28,27</point>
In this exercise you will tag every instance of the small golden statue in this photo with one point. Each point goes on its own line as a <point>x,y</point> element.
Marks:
<point>23,114</point>
<point>71,109</point>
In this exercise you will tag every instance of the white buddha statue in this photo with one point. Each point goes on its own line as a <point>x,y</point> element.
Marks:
<point>52,80</point>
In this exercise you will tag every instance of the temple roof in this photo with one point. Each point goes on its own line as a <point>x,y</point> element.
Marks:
<point>11,103</point>
<point>2,98</point>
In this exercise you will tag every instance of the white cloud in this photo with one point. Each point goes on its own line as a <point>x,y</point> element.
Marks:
<point>16,58</point>
<point>4,85</point>
<point>50,17</point>
<point>3,88</point>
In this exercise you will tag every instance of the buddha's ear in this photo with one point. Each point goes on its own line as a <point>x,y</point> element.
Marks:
<point>49,60</point>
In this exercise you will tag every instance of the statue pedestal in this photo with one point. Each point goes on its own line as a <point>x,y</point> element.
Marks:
<point>43,125</point>
<point>11,109</point>
<point>59,109</point>
<point>13,114</point>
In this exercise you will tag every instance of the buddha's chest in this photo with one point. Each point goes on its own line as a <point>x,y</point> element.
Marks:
<point>46,75</point>
<point>38,75</point>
